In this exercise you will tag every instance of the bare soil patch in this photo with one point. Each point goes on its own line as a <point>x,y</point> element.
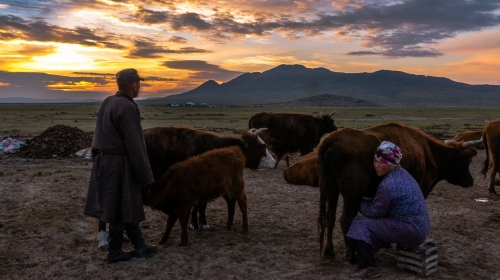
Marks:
<point>44,234</point>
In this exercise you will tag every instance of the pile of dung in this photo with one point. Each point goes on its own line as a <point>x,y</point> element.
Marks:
<point>56,141</point>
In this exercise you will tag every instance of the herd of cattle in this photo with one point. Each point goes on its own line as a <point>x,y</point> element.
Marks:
<point>191,167</point>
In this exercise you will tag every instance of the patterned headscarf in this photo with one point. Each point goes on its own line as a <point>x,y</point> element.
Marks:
<point>388,153</point>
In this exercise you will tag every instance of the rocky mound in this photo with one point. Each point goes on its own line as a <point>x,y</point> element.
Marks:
<point>56,141</point>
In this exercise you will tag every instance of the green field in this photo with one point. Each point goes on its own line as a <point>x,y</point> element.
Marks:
<point>35,118</point>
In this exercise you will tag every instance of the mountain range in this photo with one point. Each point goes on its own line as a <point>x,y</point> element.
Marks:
<point>291,82</point>
<point>296,85</point>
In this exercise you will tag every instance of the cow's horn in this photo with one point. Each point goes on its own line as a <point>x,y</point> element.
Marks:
<point>252,130</point>
<point>472,143</point>
<point>452,140</point>
<point>322,112</point>
<point>256,133</point>
<point>333,113</point>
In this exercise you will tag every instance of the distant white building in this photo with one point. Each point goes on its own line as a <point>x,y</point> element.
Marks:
<point>173,105</point>
<point>189,104</point>
<point>203,104</point>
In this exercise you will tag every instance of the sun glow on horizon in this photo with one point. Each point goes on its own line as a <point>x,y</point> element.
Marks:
<point>66,58</point>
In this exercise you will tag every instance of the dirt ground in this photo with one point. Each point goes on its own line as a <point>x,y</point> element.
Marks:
<point>44,234</point>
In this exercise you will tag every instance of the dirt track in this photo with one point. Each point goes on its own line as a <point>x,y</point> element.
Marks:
<point>44,234</point>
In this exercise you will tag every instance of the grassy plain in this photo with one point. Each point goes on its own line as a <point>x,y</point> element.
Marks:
<point>26,119</point>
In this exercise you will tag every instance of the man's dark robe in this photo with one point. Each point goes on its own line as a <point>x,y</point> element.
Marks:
<point>121,163</point>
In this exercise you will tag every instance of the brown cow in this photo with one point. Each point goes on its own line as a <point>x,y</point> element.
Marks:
<point>304,171</point>
<point>204,177</point>
<point>291,132</point>
<point>491,138</point>
<point>169,145</point>
<point>470,135</point>
<point>345,166</point>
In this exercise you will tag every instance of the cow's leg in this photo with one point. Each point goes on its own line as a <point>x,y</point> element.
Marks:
<point>184,212</point>
<point>349,211</point>
<point>279,156</point>
<point>202,207</point>
<point>194,217</point>
<point>101,235</point>
<point>287,159</point>
<point>172,217</point>
<point>331,211</point>
<point>242,203</point>
<point>231,205</point>
<point>493,170</point>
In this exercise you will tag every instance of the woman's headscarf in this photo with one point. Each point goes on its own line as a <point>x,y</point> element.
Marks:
<point>388,153</point>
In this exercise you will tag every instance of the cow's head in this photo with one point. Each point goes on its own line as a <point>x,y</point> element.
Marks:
<point>328,123</point>
<point>458,172</point>
<point>257,156</point>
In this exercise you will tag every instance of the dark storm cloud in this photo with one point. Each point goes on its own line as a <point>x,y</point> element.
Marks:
<point>159,79</point>
<point>93,74</point>
<point>362,53</point>
<point>151,17</point>
<point>399,29</point>
<point>145,48</point>
<point>392,29</point>
<point>35,85</point>
<point>148,78</point>
<point>203,70</point>
<point>190,20</point>
<point>39,30</point>
<point>177,39</point>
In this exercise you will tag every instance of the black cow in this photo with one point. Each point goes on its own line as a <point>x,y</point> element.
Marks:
<point>291,132</point>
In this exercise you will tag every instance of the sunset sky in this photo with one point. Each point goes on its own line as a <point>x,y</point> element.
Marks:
<point>72,49</point>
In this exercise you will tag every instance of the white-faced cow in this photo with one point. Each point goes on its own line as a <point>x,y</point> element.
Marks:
<point>466,136</point>
<point>291,132</point>
<point>345,166</point>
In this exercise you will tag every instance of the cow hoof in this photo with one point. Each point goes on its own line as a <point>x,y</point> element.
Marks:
<point>493,193</point>
<point>328,253</point>
<point>191,226</point>
<point>205,227</point>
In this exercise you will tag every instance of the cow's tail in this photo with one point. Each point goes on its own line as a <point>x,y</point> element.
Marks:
<point>322,203</point>
<point>487,160</point>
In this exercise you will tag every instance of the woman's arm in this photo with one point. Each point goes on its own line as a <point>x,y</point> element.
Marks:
<point>379,207</point>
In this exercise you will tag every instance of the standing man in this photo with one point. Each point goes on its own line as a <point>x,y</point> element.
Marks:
<point>121,166</point>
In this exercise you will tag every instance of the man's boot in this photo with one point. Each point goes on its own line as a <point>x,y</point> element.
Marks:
<point>115,252</point>
<point>141,249</point>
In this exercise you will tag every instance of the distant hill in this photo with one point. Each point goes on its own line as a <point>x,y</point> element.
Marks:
<point>328,100</point>
<point>290,82</point>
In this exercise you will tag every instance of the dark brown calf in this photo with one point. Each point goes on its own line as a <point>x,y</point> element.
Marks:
<point>201,178</point>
